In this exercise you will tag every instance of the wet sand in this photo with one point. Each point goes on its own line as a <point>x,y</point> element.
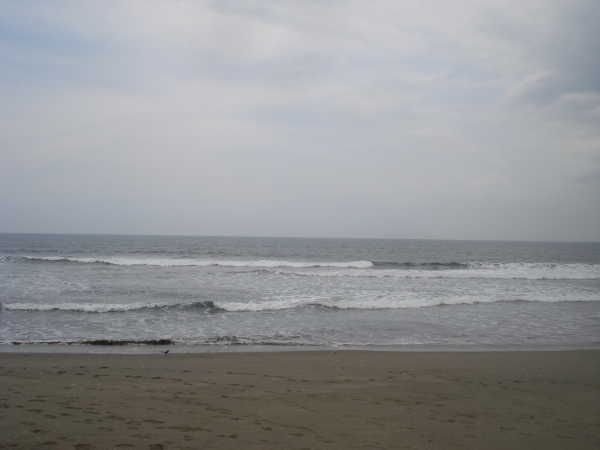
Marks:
<point>302,400</point>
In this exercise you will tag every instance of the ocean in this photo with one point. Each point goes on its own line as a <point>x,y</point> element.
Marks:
<point>64,292</point>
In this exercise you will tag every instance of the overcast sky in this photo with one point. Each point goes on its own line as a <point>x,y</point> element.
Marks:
<point>415,119</point>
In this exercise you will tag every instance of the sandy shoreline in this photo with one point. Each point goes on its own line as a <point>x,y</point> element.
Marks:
<point>302,400</point>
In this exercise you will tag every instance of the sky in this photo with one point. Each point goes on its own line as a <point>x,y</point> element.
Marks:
<point>413,119</point>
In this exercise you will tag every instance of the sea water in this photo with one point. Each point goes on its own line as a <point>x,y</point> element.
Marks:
<point>225,292</point>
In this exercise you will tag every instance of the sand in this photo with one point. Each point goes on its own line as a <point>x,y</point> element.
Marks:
<point>302,400</point>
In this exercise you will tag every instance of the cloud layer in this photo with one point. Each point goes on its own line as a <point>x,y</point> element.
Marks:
<point>479,120</point>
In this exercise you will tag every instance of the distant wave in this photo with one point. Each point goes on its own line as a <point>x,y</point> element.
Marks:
<point>259,263</point>
<point>524,271</point>
<point>177,262</point>
<point>272,305</point>
<point>358,268</point>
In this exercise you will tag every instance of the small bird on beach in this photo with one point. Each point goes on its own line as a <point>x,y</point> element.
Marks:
<point>166,352</point>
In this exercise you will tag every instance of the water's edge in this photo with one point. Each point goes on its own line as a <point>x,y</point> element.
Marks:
<point>151,349</point>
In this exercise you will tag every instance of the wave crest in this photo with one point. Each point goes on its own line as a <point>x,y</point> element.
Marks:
<point>358,268</point>
<point>192,262</point>
<point>435,265</point>
<point>208,306</point>
<point>274,305</point>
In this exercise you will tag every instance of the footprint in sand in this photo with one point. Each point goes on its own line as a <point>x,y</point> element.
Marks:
<point>83,447</point>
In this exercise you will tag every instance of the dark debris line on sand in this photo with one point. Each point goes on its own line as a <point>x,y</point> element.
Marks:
<point>106,342</point>
<point>126,342</point>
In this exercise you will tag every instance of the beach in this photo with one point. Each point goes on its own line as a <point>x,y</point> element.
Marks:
<point>302,400</point>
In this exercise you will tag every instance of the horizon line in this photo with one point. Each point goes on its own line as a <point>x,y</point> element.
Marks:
<point>295,237</point>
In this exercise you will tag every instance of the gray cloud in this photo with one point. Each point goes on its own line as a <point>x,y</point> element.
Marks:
<point>301,118</point>
<point>556,47</point>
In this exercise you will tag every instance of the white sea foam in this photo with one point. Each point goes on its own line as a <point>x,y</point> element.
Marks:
<point>358,268</point>
<point>388,302</point>
<point>174,262</point>
<point>107,307</point>
<point>291,303</point>
<point>79,307</point>
<point>528,271</point>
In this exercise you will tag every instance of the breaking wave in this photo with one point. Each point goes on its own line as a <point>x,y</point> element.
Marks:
<point>358,268</point>
<point>193,262</point>
<point>323,305</point>
<point>516,271</point>
<point>207,306</point>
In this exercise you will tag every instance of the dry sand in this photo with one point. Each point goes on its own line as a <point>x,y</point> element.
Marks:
<point>302,400</point>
